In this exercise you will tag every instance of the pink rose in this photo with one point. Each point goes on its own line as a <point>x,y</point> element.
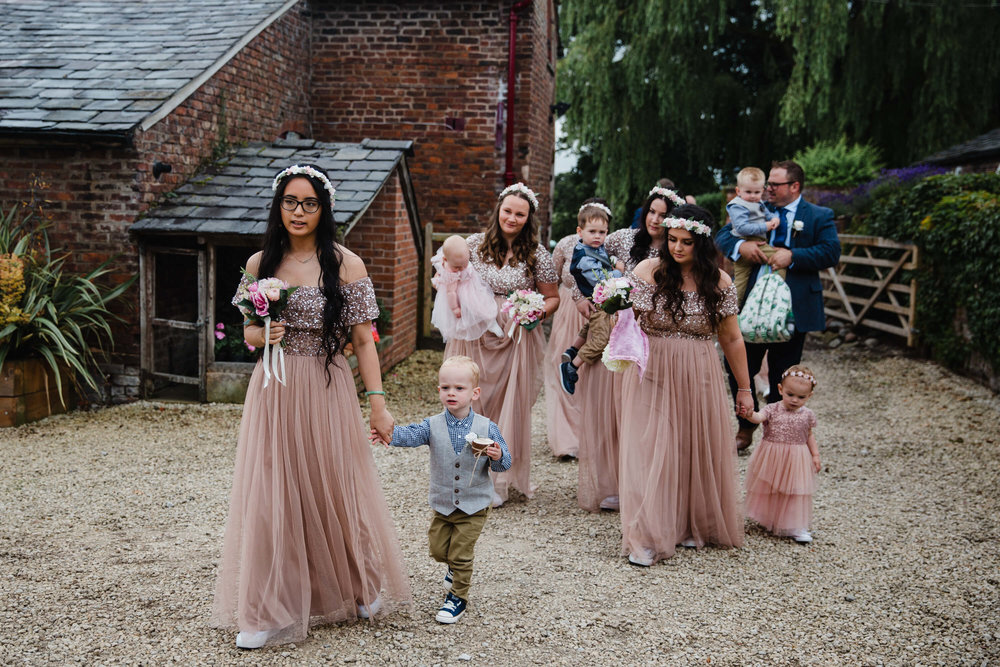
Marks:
<point>259,301</point>
<point>220,335</point>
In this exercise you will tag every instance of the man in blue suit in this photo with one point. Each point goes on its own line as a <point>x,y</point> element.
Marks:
<point>805,242</point>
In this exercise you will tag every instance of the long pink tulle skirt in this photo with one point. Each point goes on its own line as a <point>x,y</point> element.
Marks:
<point>599,393</point>
<point>780,483</point>
<point>677,476</point>
<point>309,535</point>
<point>563,418</point>
<point>510,377</point>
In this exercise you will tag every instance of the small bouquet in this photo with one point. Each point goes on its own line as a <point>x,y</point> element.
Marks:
<point>611,294</point>
<point>262,301</point>
<point>525,307</point>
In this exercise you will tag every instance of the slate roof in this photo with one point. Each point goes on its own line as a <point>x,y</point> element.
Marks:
<point>982,147</point>
<point>93,66</point>
<point>233,196</point>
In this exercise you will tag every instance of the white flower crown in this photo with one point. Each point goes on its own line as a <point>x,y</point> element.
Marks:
<point>692,226</point>
<point>597,206</point>
<point>799,374</point>
<point>524,190</point>
<point>299,170</point>
<point>669,194</point>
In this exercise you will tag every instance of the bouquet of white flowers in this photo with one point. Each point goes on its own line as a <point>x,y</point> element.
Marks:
<point>611,294</point>
<point>525,307</point>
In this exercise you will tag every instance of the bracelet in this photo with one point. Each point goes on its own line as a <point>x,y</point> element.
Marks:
<point>746,390</point>
<point>374,393</point>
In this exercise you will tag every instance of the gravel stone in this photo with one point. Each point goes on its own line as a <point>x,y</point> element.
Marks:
<point>113,520</point>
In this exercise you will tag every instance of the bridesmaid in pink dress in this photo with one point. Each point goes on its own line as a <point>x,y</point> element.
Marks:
<point>599,394</point>
<point>309,538</point>
<point>678,460</point>
<point>508,256</point>
<point>562,411</point>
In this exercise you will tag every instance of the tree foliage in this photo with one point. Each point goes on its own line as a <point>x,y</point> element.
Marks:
<point>695,89</point>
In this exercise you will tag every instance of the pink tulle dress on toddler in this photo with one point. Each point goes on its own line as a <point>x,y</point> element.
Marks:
<point>465,307</point>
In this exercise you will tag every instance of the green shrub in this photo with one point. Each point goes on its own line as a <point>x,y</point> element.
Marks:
<point>839,165</point>
<point>955,222</point>
<point>45,313</point>
<point>714,203</point>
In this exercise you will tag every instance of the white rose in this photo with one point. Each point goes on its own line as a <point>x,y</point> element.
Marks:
<point>798,225</point>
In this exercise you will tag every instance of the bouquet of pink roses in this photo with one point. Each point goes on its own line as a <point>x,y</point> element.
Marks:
<point>525,307</point>
<point>611,294</point>
<point>261,302</point>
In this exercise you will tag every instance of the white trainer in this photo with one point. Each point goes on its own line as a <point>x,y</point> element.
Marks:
<point>369,610</point>
<point>253,640</point>
<point>611,503</point>
<point>802,537</point>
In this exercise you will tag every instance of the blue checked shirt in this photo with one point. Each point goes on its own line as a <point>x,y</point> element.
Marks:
<point>416,435</point>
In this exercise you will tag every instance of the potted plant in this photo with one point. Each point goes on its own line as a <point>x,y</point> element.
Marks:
<point>49,322</point>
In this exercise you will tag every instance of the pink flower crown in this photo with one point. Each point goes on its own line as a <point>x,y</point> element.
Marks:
<point>692,226</point>
<point>669,194</point>
<point>522,189</point>
<point>799,374</point>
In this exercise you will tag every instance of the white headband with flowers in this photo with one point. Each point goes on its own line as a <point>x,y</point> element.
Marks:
<point>692,226</point>
<point>596,205</point>
<point>799,374</point>
<point>669,194</point>
<point>299,170</point>
<point>524,190</point>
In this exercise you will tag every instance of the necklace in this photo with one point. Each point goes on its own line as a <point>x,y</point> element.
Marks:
<point>303,261</point>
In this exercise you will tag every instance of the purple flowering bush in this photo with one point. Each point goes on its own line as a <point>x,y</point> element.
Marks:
<point>859,200</point>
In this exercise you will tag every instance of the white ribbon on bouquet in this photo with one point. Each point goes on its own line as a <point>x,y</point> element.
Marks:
<point>273,362</point>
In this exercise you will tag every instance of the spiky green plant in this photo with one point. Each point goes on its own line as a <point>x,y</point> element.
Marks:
<point>63,317</point>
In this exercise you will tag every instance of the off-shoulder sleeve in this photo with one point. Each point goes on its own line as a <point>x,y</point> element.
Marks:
<point>615,245</point>
<point>359,302</point>
<point>728,306</point>
<point>545,270</point>
<point>560,254</point>
<point>812,419</point>
<point>641,295</point>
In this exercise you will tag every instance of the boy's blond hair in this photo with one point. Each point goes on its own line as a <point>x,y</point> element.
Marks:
<point>750,176</point>
<point>464,362</point>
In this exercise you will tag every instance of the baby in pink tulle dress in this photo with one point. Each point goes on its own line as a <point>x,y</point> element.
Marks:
<point>781,472</point>
<point>465,307</point>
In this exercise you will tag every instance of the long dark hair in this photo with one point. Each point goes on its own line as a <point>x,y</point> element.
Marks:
<point>705,271</point>
<point>276,245</point>
<point>642,242</point>
<point>494,246</point>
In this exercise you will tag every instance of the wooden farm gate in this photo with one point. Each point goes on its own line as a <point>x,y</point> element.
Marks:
<point>867,282</point>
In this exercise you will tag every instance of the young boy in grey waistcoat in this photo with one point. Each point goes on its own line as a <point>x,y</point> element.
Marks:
<point>460,487</point>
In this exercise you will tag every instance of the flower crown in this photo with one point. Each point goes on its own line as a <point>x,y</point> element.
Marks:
<point>596,205</point>
<point>799,374</point>
<point>669,194</point>
<point>524,190</point>
<point>691,225</point>
<point>299,170</point>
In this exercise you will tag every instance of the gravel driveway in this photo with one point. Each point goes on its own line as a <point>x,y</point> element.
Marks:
<point>112,524</point>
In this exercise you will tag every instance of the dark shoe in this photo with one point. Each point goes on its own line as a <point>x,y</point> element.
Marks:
<point>568,377</point>
<point>744,438</point>
<point>570,353</point>
<point>453,609</point>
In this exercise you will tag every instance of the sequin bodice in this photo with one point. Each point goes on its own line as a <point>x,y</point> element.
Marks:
<point>505,280</point>
<point>787,427</point>
<point>304,314</point>
<point>656,321</point>
<point>561,256</point>
<point>620,245</point>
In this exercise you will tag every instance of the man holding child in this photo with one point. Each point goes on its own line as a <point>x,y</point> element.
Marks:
<point>805,242</point>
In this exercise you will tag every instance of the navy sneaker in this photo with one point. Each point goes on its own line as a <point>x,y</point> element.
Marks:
<point>453,609</point>
<point>447,580</point>
<point>570,353</point>
<point>568,377</point>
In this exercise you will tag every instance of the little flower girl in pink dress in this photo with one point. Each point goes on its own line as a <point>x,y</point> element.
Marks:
<point>781,471</point>
<point>464,307</point>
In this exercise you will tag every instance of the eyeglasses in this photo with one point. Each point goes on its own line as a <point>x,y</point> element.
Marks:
<point>770,186</point>
<point>308,205</point>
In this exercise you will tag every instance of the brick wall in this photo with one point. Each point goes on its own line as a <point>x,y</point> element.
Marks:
<point>93,191</point>
<point>384,241</point>
<point>417,69</point>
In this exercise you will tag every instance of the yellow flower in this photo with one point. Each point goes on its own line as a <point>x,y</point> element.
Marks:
<point>925,224</point>
<point>11,290</point>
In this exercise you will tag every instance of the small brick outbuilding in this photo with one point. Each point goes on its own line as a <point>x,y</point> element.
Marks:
<point>108,110</point>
